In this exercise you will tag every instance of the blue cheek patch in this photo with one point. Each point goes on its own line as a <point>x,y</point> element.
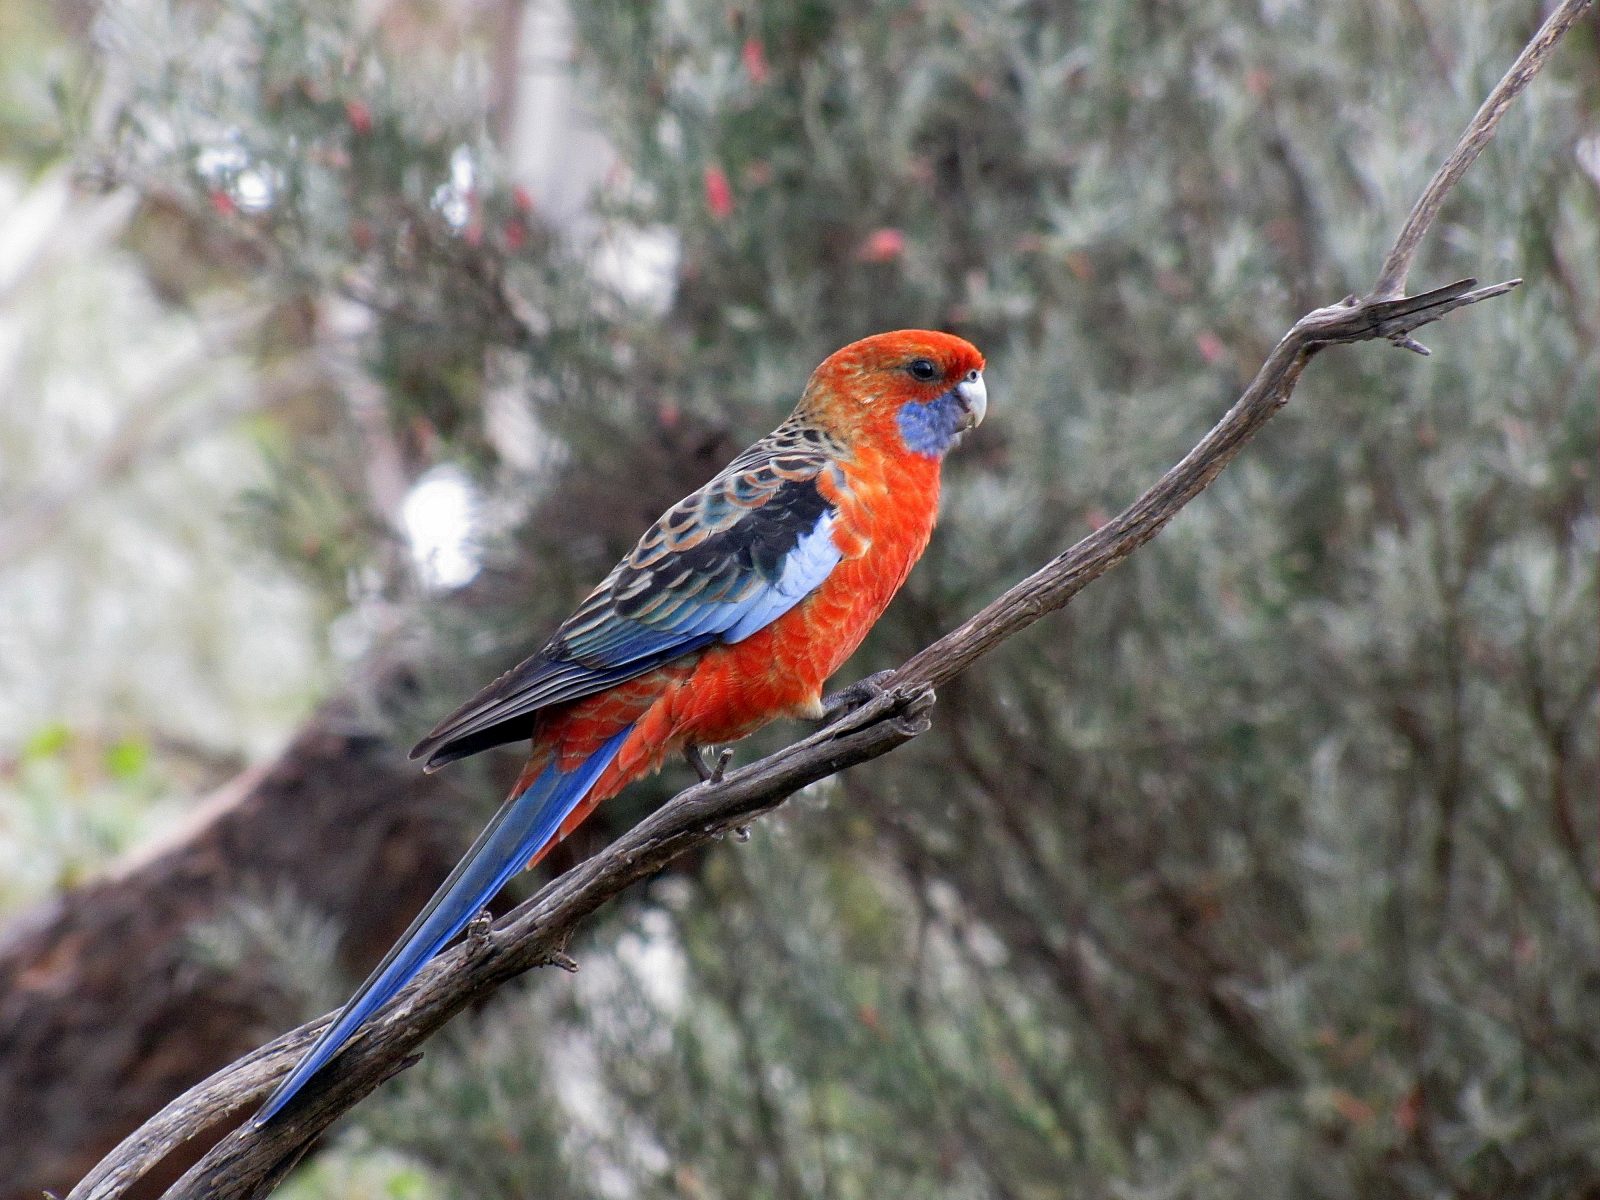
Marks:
<point>930,428</point>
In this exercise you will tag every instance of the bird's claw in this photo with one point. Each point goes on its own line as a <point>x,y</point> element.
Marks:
<point>847,699</point>
<point>708,772</point>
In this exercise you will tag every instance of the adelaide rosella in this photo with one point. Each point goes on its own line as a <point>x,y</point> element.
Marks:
<point>733,610</point>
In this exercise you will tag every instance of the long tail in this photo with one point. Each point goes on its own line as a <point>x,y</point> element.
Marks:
<point>522,829</point>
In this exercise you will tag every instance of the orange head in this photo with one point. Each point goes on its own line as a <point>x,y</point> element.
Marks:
<point>914,390</point>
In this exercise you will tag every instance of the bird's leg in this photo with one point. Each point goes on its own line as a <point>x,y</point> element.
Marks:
<point>846,699</point>
<point>708,772</point>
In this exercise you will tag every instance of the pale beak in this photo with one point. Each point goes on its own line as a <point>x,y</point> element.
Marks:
<point>974,398</point>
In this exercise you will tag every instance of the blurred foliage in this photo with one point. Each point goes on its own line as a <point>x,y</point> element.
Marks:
<point>72,801</point>
<point>1268,868</point>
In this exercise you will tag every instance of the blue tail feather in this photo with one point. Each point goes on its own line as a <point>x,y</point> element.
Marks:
<point>519,830</point>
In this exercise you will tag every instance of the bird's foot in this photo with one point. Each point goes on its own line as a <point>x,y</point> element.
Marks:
<point>847,699</point>
<point>479,929</point>
<point>708,772</point>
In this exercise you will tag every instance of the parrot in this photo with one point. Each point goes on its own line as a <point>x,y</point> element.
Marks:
<point>732,611</point>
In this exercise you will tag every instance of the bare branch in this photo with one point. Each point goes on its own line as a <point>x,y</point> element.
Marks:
<point>247,1163</point>
<point>1392,279</point>
<point>251,1161</point>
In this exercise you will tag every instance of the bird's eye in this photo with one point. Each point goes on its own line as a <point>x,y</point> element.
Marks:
<point>923,369</point>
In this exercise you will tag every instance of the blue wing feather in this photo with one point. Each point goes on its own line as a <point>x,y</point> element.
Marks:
<point>720,565</point>
<point>810,562</point>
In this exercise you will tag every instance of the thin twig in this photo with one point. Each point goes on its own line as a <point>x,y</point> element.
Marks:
<point>250,1162</point>
<point>1392,278</point>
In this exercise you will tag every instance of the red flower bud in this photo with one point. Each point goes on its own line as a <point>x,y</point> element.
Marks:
<point>755,61</point>
<point>882,245</point>
<point>359,115</point>
<point>719,193</point>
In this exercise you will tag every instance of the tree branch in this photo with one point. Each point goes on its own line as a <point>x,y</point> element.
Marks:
<point>1392,278</point>
<point>251,1161</point>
